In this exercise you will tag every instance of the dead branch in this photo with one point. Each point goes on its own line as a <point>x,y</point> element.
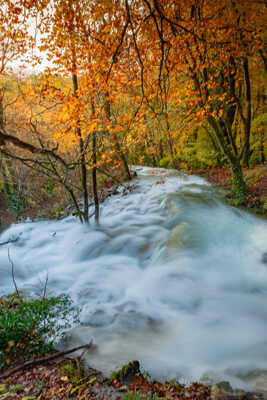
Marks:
<point>38,361</point>
<point>10,241</point>
<point>45,286</point>
<point>4,137</point>
<point>12,272</point>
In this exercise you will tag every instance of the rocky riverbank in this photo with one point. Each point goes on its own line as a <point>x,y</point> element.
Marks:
<point>67,379</point>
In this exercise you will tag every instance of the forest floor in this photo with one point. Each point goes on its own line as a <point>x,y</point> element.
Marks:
<point>256,179</point>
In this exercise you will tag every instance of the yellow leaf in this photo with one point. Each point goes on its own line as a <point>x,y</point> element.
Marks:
<point>2,388</point>
<point>75,388</point>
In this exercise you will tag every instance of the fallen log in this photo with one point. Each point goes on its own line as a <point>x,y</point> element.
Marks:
<point>34,363</point>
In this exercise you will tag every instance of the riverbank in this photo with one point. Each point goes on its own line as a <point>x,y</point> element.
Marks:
<point>54,204</point>
<point>55,376</point>
<point>256,179</point>
<point>44,202</point>
<point>67,378</point>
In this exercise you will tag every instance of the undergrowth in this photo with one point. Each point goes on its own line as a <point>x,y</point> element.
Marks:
<point>29,328</point>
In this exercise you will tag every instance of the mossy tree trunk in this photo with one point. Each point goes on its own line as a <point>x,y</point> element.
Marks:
<point>246,117</point>
<point>239,187</point>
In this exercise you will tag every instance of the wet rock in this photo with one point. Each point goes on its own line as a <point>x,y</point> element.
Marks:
<point>172,205</point>
<point>208,379</point>
<point>221,391</point>
<point>224,391</point>
<point>264,258</point>
<point>100,318</point>
<point>127,373</point>
<point>239,392</point>
<point>261,385</point>
<point>179,237</point>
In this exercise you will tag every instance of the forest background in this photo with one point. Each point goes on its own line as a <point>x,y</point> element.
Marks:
<point>177,84</point>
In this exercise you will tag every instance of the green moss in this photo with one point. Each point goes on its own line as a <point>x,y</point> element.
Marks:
<point>127,371</point>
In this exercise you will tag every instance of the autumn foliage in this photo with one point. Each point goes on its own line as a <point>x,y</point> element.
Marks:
<point>172,83</point>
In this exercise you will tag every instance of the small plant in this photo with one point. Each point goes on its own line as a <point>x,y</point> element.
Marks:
<point>69,368</point>
<point>136,396</point>
<point>15,202</point>
<point>75,373</point>
<point>132,396</point>
<point>127,372</point>
<point>28,328</point>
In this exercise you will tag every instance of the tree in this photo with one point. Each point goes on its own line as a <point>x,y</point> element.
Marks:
<point>79,117</point>
<point>210,43</point>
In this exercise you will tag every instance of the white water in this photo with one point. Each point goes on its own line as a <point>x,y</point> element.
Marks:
<point>172,277</point>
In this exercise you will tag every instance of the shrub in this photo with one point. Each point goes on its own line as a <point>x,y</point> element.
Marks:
<point>29,328</point>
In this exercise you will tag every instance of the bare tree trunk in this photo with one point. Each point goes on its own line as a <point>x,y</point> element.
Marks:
<point>82,157</point>
<point>263,159</point>
<point>1,110</point>
<point>247,121</point>
<point>94,178</point>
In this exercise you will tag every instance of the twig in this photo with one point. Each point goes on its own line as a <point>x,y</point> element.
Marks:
<point>45,286</point>
<point>10,241</point>
<point>33,363</point>
<point>12,272</point>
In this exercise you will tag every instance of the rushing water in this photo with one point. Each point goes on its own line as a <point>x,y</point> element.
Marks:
<point>173,277</point>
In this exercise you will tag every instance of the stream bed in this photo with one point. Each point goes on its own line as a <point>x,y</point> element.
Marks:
<point>172,277</point>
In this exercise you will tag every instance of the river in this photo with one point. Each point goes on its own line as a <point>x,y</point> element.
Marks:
<point>172,277</point>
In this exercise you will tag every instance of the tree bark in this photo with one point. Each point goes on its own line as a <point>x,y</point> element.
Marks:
<point>82,157</point>
<point>239,187</point>
<point>38,361</point>
<point>117,144</point>
<point>94,178</point>
<point>247,121</point>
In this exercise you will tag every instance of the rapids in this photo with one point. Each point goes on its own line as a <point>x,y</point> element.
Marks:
<point>172,277</point>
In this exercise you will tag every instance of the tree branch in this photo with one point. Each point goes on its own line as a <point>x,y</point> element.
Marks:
<point>4,137</point>
<point>33,363</point>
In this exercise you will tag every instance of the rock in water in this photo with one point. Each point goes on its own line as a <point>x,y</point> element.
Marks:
<point>179,237</point>
<point>264,258</point>
<point>127,373</point>
<point>261,385</point>
<point>221,391</point>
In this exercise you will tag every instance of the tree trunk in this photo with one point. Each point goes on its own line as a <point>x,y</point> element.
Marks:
<point>117,144</point>
<point>262,146</point>
<point>161,152</point>
<point>1,110</point>
<point>82,158</point>
<point>94,178</point>
<point>239,187</point>
<point>247,120</point>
